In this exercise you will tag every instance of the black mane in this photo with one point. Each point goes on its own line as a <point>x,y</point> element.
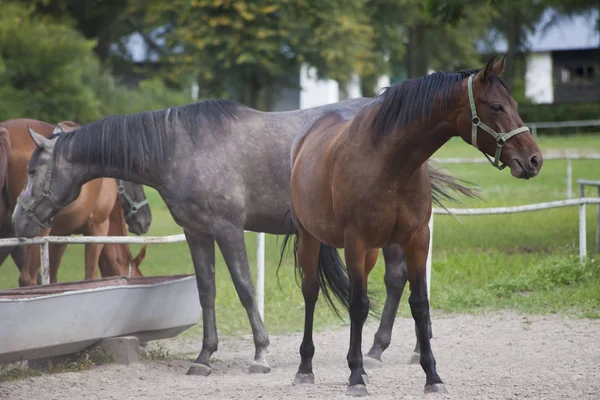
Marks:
<point>143,139</point>
<point>414,99</point>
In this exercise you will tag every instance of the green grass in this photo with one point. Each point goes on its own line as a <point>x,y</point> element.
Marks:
<point>526,262</point>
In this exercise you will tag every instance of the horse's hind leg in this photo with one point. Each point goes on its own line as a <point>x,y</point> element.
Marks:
<point>230,239</point>
<point>308,258</point>
<point>416,257</point>
<point>202,249</point>
<point>395,280</point>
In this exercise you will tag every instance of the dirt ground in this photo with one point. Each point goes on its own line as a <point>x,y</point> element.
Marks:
<point>497,356</point>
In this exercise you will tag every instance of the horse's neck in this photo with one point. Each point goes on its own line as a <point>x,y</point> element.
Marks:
<point>408,150</point>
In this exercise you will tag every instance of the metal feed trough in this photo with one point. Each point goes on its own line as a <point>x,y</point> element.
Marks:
<point>64,318</point>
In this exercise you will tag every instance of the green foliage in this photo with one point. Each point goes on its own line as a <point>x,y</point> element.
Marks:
<point>248,49</point>
<point>44,65</point>
<point>49,72</point>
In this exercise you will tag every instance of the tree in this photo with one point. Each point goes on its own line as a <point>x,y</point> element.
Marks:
<point>416,36</point>
<point>44,68</point>
<point>247,50</point>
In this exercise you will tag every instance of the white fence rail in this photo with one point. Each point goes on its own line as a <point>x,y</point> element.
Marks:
<point>44,241</point>
<point>534,126</point>
<point>568,157</point>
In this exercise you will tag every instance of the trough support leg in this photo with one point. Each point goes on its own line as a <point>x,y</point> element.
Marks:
<point>125,350</point>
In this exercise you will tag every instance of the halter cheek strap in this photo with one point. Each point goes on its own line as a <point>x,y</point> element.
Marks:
<point>133,205</point>
<point>500,137</point>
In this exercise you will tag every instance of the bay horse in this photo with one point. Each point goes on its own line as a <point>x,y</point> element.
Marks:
<point>87,214</point>
<point>359,182</point>
<point>221,168</point>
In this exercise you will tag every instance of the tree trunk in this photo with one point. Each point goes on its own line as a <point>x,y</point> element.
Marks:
<point>367,85</point>
<point>513,37</point>
<point>416,51</point>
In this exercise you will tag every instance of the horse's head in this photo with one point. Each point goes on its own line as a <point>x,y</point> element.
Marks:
<point>491,123</point>
<point>135,206</point>
<point>49,188</point>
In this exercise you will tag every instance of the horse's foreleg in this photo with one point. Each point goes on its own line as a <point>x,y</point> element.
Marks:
<point>202,249</point>
<point>230,239</point>
<point>308,258</point>
<point>416,258</point>
<point>395,279</point>
<point>356,255</point>
<point>29,272</point>
<point>93,250</point>
<point>57,250</point>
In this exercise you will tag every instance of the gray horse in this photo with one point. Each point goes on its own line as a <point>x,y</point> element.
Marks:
<point>221,168</point>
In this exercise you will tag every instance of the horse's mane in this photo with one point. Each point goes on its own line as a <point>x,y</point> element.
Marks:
<point>4,194</point>
<point>414,99</point>
<point>143,139</point>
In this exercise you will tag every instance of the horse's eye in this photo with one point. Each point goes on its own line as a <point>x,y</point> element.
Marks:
<point>31,171</point>
<point>497,107</point>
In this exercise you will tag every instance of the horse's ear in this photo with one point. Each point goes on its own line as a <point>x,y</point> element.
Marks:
<point>485,72</point>
<point>57,130</point>
<point>40,141</point>
<point>499,66</point>
<point>141,255</point>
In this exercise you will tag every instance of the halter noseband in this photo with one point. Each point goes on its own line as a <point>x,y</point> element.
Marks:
<point>133,205</point>
<point>30,208</point>
<point>500,137</point>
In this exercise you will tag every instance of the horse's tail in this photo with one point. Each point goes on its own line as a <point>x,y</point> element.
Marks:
<point>331,271</point>
<point>4,193</point>
<point>443,183</point>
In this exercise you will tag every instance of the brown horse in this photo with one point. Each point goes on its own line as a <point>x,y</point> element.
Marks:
<point>4,206</point>
<point>88,214</point>
<point>114,256</point>
<point>360,182</point>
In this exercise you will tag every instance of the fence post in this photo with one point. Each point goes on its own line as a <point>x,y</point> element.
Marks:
<point>569,179</point>
<point>428,263</point>
<point>582,235</point>
<point>534,130</point>
<point>45,261</point>
<point>260,273</point>
<point>597,249</point>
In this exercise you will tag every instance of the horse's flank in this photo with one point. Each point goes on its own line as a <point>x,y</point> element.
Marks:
<point>4,193</point>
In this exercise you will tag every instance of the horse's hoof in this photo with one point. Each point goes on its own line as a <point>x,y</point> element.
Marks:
<point>357,391</point>
<point>259,367</point>
<point>199,369</point>
<point>301,379</point>
<point>372,363</point>
<point>436,388</point>
<point>365,379</point>
<point>415,358</point>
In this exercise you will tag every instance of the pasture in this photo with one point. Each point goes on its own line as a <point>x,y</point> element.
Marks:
<point>491,275</point>
<point>526,262</point>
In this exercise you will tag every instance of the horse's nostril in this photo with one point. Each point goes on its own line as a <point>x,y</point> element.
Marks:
<point>534,161</point>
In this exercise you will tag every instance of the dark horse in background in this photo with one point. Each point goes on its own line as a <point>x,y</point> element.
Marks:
<point>221,168</point>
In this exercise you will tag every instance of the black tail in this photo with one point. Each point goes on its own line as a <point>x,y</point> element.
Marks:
<point>332,274</point>
<point>442,183</point>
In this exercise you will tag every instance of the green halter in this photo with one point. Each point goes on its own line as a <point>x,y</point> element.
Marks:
<point>501,137</point>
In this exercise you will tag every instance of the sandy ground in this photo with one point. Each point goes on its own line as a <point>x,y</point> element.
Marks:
<point>497,356</point>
